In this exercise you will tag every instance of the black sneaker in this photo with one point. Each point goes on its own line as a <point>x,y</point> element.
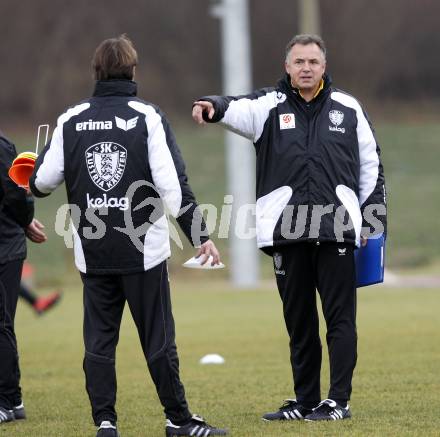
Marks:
<point>290,410</point>
<point>107,429</point>
<point>329,410</point>
<point>195,427</point>
<point>19,412</point>
<point>6,415</point>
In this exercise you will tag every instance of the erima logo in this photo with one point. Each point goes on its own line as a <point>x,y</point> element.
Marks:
<point>126,125</point>
<point>281,97</point>
<point>278,262</point>
<point>106,164</point>
<point>94,125</point>
<point>287,121</point>
<point>110,202</point>
<point>107,125</point>
<point>342,251</point>
<point>336,117</point>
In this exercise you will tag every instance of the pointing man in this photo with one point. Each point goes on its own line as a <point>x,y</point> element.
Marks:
<point>319,177</point>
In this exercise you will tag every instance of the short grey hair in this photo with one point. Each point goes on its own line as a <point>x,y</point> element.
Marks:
<point>305,39</point>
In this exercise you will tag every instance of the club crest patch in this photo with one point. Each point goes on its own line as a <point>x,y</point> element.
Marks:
<point>336,117</point>
<point>106,164</point>
<point>278,262</point>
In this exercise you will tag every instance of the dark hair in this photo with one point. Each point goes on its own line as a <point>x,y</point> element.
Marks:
<point>115,58</point>
<point>305,39</point>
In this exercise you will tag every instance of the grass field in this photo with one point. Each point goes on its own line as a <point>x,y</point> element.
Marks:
<point>396,385</point>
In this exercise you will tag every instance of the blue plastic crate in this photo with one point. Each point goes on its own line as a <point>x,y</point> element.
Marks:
<point>370,261</point>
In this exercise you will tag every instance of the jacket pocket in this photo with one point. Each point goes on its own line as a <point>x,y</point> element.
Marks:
<point>268,210</point>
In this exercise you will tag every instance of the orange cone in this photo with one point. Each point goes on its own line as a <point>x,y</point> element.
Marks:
<point>23,160</point>
<point>22,168</point>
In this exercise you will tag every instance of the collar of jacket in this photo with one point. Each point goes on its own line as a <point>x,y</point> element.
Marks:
<point>286,86</point>
<point>115,87</point>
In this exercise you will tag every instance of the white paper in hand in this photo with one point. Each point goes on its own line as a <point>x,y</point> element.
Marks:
<point>194,263</point>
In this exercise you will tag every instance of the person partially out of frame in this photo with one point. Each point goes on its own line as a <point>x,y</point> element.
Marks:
<point>16,223</point>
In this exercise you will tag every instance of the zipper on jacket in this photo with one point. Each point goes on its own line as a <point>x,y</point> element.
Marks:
<point>307,109</point>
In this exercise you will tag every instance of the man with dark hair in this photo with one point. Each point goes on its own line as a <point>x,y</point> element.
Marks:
<point>319,177</point>
<point>120,162</point>
<point>115,58</point>
<point>16,222</point>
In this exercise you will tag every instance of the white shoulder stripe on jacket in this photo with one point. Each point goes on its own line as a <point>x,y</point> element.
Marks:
<point>50,174</point>
<point>247,117</point>
<point>369,159</point>
<point>161,162</point>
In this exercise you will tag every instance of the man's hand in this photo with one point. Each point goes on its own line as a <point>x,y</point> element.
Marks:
<point>199,108</point>
<point>35,233</point>
<point>206,249</point>
<point>364,241</point>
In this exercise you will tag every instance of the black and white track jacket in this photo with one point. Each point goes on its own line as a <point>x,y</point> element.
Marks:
<point>319,174</point>
<point>123,172</point>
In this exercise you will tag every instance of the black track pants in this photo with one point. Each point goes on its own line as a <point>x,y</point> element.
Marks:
<point>148,297</point>
<point>300,270</point>
<point>10,391</point>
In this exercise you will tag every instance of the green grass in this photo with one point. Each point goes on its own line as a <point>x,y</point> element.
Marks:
<point>395,387</point>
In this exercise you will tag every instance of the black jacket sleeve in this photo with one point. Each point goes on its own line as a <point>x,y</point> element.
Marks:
<point>16,203</point>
